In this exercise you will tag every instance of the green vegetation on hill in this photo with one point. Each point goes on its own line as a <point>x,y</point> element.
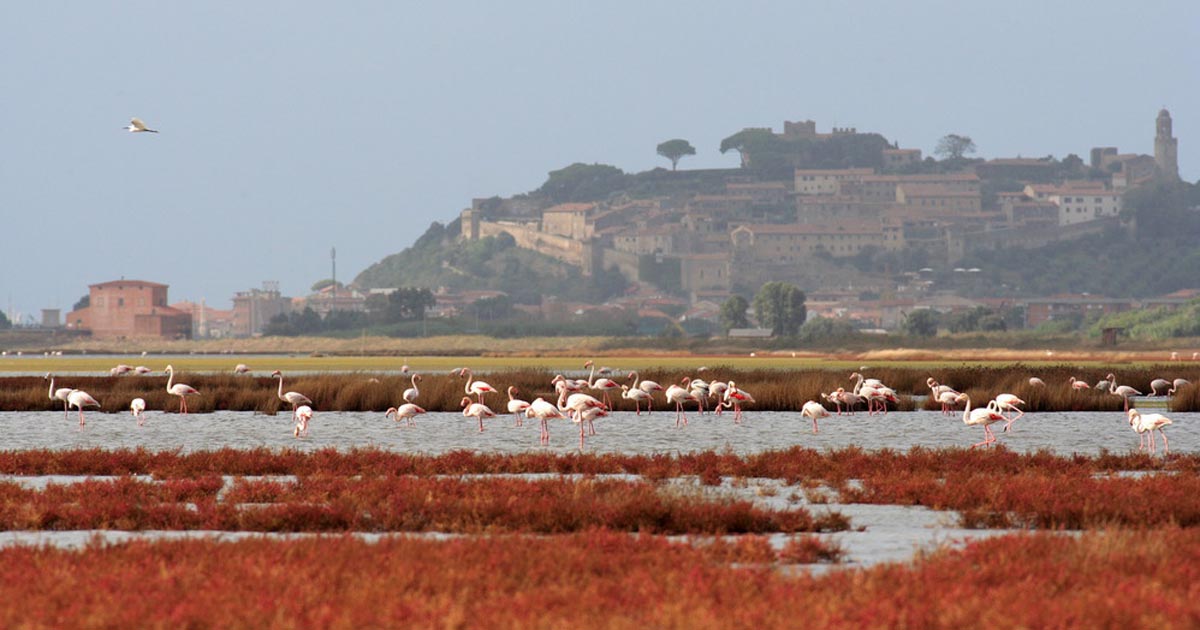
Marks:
<point>1158,323</point>
<point>438,259</point>
<point>1162,255</point>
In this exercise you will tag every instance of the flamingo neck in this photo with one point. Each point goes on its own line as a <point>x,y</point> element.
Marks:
<point>51,387</point>
<point>633,376</point>
<point>592,376</point>
<point>170,379</point>
<point>280,377</point>
<point>467,373</point>
<point>967,411</point>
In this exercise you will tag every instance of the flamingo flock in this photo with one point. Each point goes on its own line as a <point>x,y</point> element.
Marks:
<point>571,401</point>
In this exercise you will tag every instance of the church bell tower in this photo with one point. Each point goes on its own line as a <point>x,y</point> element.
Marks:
<point>1166,148</point>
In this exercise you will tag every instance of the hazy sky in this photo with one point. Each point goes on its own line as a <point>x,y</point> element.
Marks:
<point>291,127</point>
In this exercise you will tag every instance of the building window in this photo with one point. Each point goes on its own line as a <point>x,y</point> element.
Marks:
<point>120,301</point>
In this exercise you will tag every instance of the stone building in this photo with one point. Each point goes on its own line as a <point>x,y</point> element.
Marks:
<point>130,309</point>
<point>1166,147</point>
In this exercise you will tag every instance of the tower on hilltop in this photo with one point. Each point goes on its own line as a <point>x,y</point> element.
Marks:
<point>1166,148</point>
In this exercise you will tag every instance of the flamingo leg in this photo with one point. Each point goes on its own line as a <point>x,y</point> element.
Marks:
<point>814,425</point>
<point>1166,447</point>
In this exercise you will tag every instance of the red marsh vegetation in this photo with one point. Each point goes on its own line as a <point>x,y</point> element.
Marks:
<point>601,579</point>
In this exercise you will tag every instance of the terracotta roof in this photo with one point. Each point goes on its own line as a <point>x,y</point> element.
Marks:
<point>570,207</point>
<point>835,171</point>
<point>831,227</point>
<point>143,283</point>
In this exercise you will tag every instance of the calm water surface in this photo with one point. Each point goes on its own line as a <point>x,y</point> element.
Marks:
<point>1064,433</point>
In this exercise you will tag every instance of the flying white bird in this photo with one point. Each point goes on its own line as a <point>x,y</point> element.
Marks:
<point>136,125</point>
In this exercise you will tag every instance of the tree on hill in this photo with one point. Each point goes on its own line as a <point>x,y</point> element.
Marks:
<point>676,150</point>
<point>4,323</point>
<point>83,302</point>
<point>582,182</point>
<point>746,140</point>
<point>780,307</point>
<point>922,323</point>
<point>954,147</point>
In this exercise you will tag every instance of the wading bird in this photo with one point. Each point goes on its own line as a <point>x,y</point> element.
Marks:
<point>59,394</point>
<point>241,368</point>
<point>304,414</point>
<point>813,410</point>
<point>136,407</point>
<point>408,411</point>
<point>1149,423</point>
<point>516,406</point>
<point>638,397</point>
<point>479,388</point>
<point>679,396</point>
<point>476,410</point>
<point>543,410</point>
<point>80,399</point>
<point>603,385</point>
<point>984,416</point>
<point>1009,402</point>
<point>179,389</point>
<point>295,399</point>
<point>137,126</point>
<point>410,394</point>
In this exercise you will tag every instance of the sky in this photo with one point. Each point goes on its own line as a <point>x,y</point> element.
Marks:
<point>290,128</point>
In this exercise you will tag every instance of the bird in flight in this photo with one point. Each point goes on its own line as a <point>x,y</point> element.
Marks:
<point>136,125</point>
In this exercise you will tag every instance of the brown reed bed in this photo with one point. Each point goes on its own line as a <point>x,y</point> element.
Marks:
<point>600,579</point>
<point>393,504</point>
<point>795,464</point>
<point>776,390</point>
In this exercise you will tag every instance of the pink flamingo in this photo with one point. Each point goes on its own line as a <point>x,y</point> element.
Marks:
<point>1124,391</point>
<point>181,390</point>
<point>936,389</point>
<point>1036,382</point>
<point>679,396</point>
<point>814,410</point>
<point>295,399</point>
<point>570,385</point>
<point>142,370</point>
<point>80,399</point>
<point>59,394</point>
<point>574,406</point>
<point>304,414</point>
<point>410,394</point>
<point>604,385</point>
<point>136,407</point>
<point>948,400</point>
<point>1077,384</point>
<point>479,411</point>
<point>1009,402</point>
<point>1157,384</point>
<point>738,397</point>
<point>479,388</point>
<point>982,416</point>
<point>543,410</point>
<point>1149,423</point>
<point>1178,383</point>
<point>120,370</point>
<point>516,406</point>
<point>638,397</point>
<point>407,411</point>
<point>241,368</point>
<point>648,387</point>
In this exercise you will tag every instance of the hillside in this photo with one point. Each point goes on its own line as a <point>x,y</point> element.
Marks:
<point>438,259</point>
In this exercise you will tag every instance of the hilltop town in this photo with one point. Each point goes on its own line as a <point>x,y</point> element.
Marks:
<point>871,232</point>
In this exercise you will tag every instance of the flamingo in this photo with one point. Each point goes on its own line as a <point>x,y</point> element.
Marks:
<point>295,399</point>
<point>936,389</point>
<point>604,385</point>
<point>1009,402</point>
<point>1102,384</point>
<point>870,382</point>
<point>407,411</point>
<point>814,410</point>
<point>1036,382</point>
<point>180,390</point>
<point>479,388</point>
<point>516,406</point>
<point>479,411</point>
<point>574,406</point>
<point>543,410</point>
<point>136,407</point>
<point>849,399</point>
<point>562,383</point>
<point>1174,356</point>
<point>982,416</point>
<point>699,388</point>
<point>738,397</point>
<point>1150,423</point>
<point>1124,391</point>
<point>59,394</point>
<point>120,370</point>
<point>304,414</point>
<point>680,395</point>
<point>948,400</point>
<point>241,368</point>
<point>1177,384</point>
<point>638,397</point>
<point>1157,384</point>
<point>80,399</point>
<point>142,370</point>
<point>1077,384</point>
<point>136,125</point>
<point>647,386</point>
<point>410,394</point>
<point>717,389</point>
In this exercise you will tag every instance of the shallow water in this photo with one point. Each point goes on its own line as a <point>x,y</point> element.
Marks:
<point>1060,432</point>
